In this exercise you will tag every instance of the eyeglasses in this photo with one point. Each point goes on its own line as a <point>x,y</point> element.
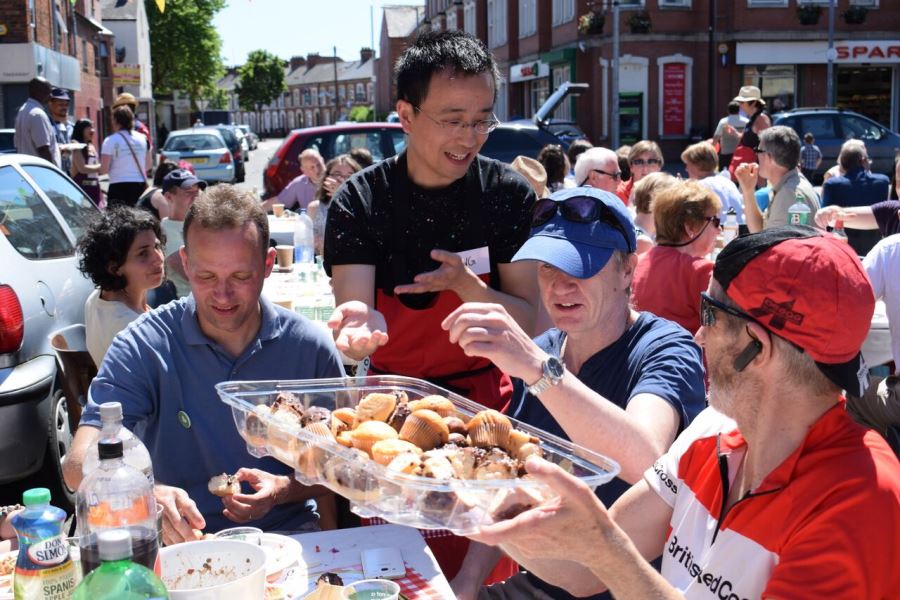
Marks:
<point>581,209</point>
<point>482,127</point>
<point>716,221</point>
<point>759,150</point>
<point>614,176</point>
<point>709,306</point>
<point>639,162</point>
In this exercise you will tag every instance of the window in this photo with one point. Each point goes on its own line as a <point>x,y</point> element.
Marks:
<point>537,94</point>
<point>451,20</point>
<point>360,92</point>
<point>345,142</point>
<point>868,3</point>
<point>370,92</point>
<point>860,129</point>
<point>563,11</point>
<point>342,93</point>
<point>527,18</point>
<point>307,98</point>
<point>674,3</point>
<point>27,222</point>
<point>821,126</point>
<point>468,17</point>
<point>627,4</point>
<point>76,209</point>
<point>562,74</point>
<point>753,3</point>
<point>496,10</point>
<point>84,55</point>
<point>778,84</point>
<point>398,140</point>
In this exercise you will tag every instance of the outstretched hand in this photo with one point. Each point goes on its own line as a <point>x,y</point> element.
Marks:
<point>361,329</point>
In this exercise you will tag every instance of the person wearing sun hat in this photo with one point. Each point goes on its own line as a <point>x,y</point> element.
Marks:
<point>620,382</point>
<point>751,102</point>
<point>774,491</point>
<point>126,99</point>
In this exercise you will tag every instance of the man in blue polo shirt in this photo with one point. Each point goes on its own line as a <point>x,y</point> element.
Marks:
<point>614,380</point>
<point>164,366</point>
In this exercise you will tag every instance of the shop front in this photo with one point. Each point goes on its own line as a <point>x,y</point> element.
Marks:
<point>531,80</point>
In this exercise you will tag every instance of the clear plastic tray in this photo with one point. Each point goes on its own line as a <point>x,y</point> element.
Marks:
<point>458,505</point>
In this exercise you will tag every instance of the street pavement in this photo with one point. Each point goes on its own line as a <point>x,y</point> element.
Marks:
<point>255,167</point>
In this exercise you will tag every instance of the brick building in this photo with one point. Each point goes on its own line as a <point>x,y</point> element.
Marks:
<point>61,41</point>
<point>398,25</point>
<point>681,61</point>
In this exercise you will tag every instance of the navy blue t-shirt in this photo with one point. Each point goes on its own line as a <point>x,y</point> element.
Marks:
<point>653,356</point>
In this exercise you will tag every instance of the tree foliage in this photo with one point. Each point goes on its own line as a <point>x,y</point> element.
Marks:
<point>261,80</point>
<point>361,113</point>
<point>217,97</point>
<point>185,47</point>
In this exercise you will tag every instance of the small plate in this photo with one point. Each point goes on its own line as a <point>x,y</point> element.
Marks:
<point>6,581</point>
<point>281,552</point>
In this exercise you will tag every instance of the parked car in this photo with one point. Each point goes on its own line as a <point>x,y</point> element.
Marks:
<point>42,213</point>
<point>566,131</point>
<point>833,126</point>
<point>205,149</point>
<point>252,138</point>
<point>232,136</point>
<point>386,139</point>
<point>7,141</point>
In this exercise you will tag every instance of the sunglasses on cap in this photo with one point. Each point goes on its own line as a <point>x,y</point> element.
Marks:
<point>581,209</point>
<point>638,162</point>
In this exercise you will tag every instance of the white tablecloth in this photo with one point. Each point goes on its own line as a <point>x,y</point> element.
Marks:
<point>281,230</point>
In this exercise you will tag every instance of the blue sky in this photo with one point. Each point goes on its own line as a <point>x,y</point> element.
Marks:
<point>299,27</point>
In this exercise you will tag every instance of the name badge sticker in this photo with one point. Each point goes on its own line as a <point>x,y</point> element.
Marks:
<point>478,260</point>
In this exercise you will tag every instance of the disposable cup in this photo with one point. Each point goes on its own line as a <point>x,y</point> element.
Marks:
<point>278,210</point>
<point>372,589</point>
<point>285,255</point>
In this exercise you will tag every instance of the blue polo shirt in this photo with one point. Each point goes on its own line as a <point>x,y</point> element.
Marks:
<point>653,356</point>
<point>857,188</point>
<point>162,364</point>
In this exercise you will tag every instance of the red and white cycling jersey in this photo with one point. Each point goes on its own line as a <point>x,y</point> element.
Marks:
<point>825,523</point>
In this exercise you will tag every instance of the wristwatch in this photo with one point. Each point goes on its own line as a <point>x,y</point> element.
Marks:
<point>553,370</point>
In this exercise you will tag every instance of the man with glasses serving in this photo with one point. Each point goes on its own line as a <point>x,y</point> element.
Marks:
<point>779,494</point>
<point>598,168</point>
<point>779,162</point>
<point>411,238</point>
<point>609,378</point>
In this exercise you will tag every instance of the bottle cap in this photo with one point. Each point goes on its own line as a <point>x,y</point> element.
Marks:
<point>731,211</point>
<point>108,449</point>
<point>114,544</point>
<point>36,496</point>
<point>111,411</point>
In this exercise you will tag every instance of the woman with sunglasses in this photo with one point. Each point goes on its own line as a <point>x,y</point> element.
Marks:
<point>669,278</point>
<point>338,170</point>
<point>644,158</point>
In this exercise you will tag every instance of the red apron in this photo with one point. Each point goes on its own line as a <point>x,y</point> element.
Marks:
<point>418,347</point>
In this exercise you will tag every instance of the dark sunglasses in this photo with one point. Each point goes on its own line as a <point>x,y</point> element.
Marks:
<point>716,221</point>
<point>759,150</point>
<point>650,161</point>
<point>614,176</point>
<point>709,306</point>
<point>581,209</point>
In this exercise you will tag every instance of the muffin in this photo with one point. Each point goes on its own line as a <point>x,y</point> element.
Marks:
<point>398,417</point>
<point>342,420</point>
<point>224,485</point>
<point>458,439</point>
<point>496,464</point>
<point>425,428</point>
<point>384,451</point>
<point>350,479</point>
<point>314,414</point>
<point>407,463</point>
<point>369,432</point>
<point>375,407</point>
<point>511,502</point>
<point>438,404</point>
<point>255,429</point>
<point>345,438</point>
<point>456,425</point>
<point>488,429</point>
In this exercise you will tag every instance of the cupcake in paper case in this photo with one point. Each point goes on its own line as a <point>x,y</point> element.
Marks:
<point>425,428</point>
<point>342,420</point>
<point>369,432</point>
<point>408,463</point>
<point>384,451</point>
<point>439,404</point>
<point>489,428</point>
<point>376,407</point>
<point>349,478</point>
<point>312,458</point>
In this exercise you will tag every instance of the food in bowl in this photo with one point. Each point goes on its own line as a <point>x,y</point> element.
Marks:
<point>213,568</point>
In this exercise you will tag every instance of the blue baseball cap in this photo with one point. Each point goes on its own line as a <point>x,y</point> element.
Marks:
<point>59,94</point>
<point>581,249</point>
<point>181,178</point>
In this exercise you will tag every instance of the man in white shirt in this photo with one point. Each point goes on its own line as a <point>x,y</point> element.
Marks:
<point>34,132</point>
<point>181,188</point>
<point>598,168</point>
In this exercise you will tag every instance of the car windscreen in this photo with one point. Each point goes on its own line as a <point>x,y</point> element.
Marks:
<point>76,208</point>
<point>27,222</point>
<point>190,143</point>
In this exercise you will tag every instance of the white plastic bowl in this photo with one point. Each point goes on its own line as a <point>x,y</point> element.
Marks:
<point>214,569</point>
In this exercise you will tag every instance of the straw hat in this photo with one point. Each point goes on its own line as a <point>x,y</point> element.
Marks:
<point>124,99</point>
<point>749,93</point>
<point>534,172</point>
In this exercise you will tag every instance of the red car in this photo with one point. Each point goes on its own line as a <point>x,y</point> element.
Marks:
<point>382,139</point>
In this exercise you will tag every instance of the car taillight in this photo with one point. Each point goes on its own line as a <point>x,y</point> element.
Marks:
<point>12,325</point>
<point>226,158</point>
<point>162,157</point>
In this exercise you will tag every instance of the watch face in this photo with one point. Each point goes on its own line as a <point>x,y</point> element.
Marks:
<point>555,368</point>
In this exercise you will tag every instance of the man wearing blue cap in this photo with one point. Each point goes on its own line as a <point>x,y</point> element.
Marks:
<point>614,380</point>
<point>58,108</point>
<point>181,188</point>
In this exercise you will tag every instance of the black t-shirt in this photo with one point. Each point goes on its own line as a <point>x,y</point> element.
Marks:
<point>369,225</point>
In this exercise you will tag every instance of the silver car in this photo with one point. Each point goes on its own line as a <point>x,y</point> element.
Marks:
<point>42,213</point>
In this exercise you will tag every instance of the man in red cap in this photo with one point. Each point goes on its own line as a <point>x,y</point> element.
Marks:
<point>774,492</point>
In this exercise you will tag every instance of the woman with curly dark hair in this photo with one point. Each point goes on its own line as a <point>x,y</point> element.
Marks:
<point>554,160</point>
<point>121,251</point>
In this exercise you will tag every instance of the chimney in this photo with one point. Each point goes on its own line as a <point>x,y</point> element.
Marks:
<point>314,59</point>
<point>297,62</point>
<point>366,54</point>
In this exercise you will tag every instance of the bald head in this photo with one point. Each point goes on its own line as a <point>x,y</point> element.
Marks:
<point>39,89</point>
<point>597,159</point>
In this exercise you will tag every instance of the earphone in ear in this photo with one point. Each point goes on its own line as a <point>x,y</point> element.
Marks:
<point>747,355</point>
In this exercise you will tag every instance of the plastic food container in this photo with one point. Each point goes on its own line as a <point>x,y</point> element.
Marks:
<point>460,505</point>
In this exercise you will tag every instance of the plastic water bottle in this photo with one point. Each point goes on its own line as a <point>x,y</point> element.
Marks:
<point>116,496</point>
<point>44,570</point>
<point>117,577</point>
<point>730,230</point>
<point>304,250</point>
<point>136,453</point>
<point>798,213</point>
<point>838,231</point>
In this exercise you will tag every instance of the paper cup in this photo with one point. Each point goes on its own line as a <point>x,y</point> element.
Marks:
<point>278,210</point>
<point>285,255</point>
<point>372,589</point>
